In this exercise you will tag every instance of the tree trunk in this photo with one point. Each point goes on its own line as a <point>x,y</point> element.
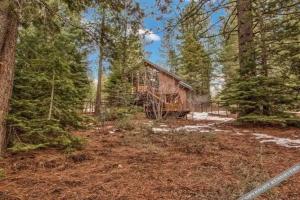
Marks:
<point>52,96</point>
<point>100,68</point>
<point>246,53</point>
<point>263,45</point>
<point>99,84</point>
<point>8,40</point>
<point>245,35</point>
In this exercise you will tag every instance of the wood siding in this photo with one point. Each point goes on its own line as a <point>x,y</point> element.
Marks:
<point>169,85</point>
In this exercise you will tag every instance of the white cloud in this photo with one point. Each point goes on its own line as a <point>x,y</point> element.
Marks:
<point>149,35</point>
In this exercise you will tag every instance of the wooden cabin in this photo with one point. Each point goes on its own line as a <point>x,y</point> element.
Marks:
<point>161,92</point>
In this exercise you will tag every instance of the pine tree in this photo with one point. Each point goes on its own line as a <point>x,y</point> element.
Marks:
<point>8,38</point>
<point>12,15</point>
<point>119,83</point>
<point>264,89</point>
<point>169,50</point>
<point>194,61</point>
<point>51,84</point>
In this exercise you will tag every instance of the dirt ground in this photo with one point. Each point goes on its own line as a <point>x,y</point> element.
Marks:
<point>140,164</point>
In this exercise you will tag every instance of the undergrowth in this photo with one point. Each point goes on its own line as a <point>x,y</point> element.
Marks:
<point>125,124</point>
<point>2,173</point>
<point>65,142</point>
<point>281,120</point>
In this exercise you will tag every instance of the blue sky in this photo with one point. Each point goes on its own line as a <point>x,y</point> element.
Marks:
<point>154,30</point>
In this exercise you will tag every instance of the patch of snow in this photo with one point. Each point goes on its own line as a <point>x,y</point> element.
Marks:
<point>206,116</point>
<point>218,130</point>
<point>187,128</point>
<point>221,112</point>
<point>285,142</point>
<point>163,125</point>
<point>150,123</point>
<point>161,130</point>
<point>194,128</point>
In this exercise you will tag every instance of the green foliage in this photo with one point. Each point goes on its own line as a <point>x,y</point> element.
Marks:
<point>2,173</point>
<point>270,120</point>
<point>194,62</point>
<point>125,124</point>
<point>257,95</point>
<point>46,62</point>
<point>117,113</point>
<point>125,60</point>
<point>23,147</point>
<point>118,90</point>
<point>273,85</point>
<point>229,55</point>
<point>62,141</point>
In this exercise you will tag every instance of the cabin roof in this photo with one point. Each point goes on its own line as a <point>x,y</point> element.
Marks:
<point>165,71</point>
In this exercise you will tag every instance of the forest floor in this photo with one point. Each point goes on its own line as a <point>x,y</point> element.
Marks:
<point>174,159</point>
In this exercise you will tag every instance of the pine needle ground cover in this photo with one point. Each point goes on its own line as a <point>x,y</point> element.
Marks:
<point>140,164</point>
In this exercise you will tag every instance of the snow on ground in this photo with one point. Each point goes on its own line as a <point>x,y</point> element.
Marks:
<point>161,130</point>
<point>210,128</point>
<point>220,112</point>
<point>194,128</point>
<point>186,128</point>
<point>285,142</point>
<point>206,116</point>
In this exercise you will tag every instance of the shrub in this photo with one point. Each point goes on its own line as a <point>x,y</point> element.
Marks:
<point>125,124</point>
<point>116,113</point>
<point>281,120</point>
<point>2,173</point>
<point>65,141</point>
<point>23,147</point>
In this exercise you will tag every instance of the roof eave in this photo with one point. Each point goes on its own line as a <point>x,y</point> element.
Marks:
<point>181,82</point>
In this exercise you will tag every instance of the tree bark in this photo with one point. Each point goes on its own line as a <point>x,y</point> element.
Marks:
<point>100,68</point>
<point>263,45</point>
<point>8,42</point>
<point>52,96</point>
<point>245,35</point>
<point>99,84</point>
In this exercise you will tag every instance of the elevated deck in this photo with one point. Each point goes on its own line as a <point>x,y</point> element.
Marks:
<point>160,104</point>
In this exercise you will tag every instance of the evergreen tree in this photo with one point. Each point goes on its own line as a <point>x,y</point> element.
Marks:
<point>12,15</point>
<point>229,49</point>
<point>51,84</point>
<point>266,85</point>
<point>169,49</point>
<point>194,61</point>
<point>119,83</point>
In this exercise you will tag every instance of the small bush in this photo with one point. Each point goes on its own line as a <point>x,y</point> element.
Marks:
<point>117,113</point>
<point>23,147</point>
<point>262,120</point>
<point>295,122</point>
<point>125,124</point>
<point>66,142</point>
<point>2,173</point>
<point>270,120</point>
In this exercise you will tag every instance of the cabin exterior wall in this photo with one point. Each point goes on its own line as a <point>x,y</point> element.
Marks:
<point>168,85</point>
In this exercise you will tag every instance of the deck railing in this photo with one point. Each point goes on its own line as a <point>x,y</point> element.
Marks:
<point>210,107</point>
